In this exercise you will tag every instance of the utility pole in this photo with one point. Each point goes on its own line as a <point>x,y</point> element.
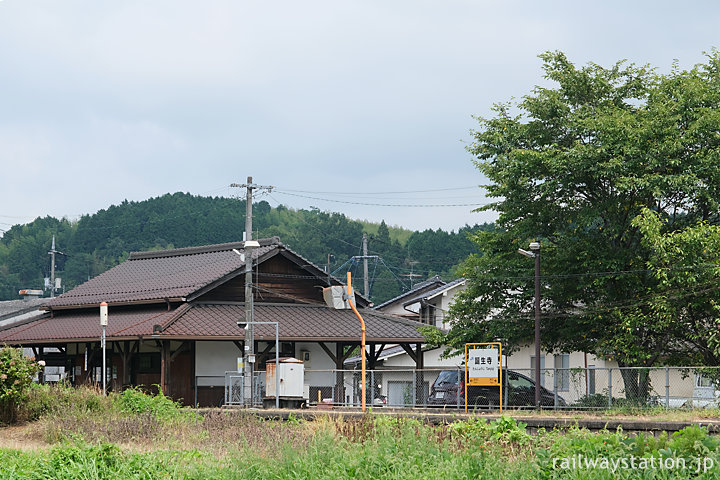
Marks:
<point>411,275</point>
<point>52,253</point>
<point>365,266</point>
<point>249,298</point>
<point>328,269</point>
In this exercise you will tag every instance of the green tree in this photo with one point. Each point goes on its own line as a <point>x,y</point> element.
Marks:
<point>16,375</point>
<point>686,265</point>
<point>572,166</point>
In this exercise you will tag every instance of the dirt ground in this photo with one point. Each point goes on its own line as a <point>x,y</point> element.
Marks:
<point>21,437</point>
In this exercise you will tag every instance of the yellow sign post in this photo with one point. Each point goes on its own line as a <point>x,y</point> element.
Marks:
<point>483,367</point>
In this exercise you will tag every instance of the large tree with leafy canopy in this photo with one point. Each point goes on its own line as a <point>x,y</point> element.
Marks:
<point>572,166</point>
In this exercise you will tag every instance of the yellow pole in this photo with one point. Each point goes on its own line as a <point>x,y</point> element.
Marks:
<point>466,376</point>
<point>362,339</point>
<point>501,376</point>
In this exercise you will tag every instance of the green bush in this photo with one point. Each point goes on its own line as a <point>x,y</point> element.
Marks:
<point>63,399</point>
<point>136,401</point>
<point>16,375</point>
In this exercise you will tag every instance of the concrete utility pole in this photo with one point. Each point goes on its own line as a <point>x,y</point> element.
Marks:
<point>52,253</point>
<point>411,275</point>
<point>249,297</point>
<point>365,266</point>
<point>328,269</point>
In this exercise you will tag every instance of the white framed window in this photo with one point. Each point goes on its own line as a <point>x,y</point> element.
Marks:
<point>591,379</point>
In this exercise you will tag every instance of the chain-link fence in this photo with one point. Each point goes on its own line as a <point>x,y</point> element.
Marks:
<point>228,389</point>
<point>569,388</point>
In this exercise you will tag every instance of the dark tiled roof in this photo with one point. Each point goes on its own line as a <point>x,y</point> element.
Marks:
<point>11,308</point>
<point>154,276</point>
<point>297,322</point>
<point>219,321</point>
<point>84,325</point>
<point>435,291</point>
<point>419,288</point>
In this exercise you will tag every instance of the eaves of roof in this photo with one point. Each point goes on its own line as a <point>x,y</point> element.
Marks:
<point>435,292</point>
<point>417,290</point>
<point>215,321</point>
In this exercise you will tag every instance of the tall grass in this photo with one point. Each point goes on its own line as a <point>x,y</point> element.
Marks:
<point>134,435</point>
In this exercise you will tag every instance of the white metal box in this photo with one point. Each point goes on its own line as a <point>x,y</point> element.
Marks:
<point>334,297</point>
<point>291,372</point>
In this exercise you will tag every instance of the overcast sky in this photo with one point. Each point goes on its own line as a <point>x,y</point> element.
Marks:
<point>103,101</point>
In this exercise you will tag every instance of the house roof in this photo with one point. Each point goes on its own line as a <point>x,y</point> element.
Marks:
<point>429,295</point>
<point>154,276</point>
<point>421,287</point>
<point>169,275</point>
<point>215,321</point>
<point>11,310</point>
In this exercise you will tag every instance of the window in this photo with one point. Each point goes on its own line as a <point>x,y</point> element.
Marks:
<point>517,382</point>
<point>562,372</point>
<point>703,382</point>
<point>591,379</point>
<point>542,369</point>
<point>147,363</point>
<point>447,377</point>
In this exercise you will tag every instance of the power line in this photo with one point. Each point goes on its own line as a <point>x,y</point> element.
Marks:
<point>385,193</point>
<point>387,204</point>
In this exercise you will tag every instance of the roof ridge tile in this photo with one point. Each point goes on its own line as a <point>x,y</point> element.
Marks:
<point>218,247</point>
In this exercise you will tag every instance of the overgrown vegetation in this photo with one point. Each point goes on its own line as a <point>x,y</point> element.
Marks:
<point>137,435</point>
<point>16,376</point>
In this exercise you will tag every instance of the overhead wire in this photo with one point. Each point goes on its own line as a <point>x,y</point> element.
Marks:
<point>384,193</point>
<point>409,205</point>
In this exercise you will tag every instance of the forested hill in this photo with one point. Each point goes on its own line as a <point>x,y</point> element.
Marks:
<point>97,242</point>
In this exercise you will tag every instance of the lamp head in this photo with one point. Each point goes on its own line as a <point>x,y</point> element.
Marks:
<point>526,253</point>
<point>535,246</point>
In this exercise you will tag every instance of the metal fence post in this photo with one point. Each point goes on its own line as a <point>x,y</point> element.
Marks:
<point>372,387</point>
<point>458,383</point>
<point>414,388</point>
<point>195,391</point>
<point>555,389</point>
<point>506,392</point>
<point>667,387</point>
<point>609,387</point>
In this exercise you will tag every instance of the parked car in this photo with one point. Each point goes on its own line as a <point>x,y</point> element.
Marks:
<point>519,389</point>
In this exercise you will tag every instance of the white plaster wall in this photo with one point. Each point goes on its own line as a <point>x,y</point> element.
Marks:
<point>431,360</point>
<point>442,304</point>
<point>317,370</point>
<point>399,309</point>
<point>215,358</point>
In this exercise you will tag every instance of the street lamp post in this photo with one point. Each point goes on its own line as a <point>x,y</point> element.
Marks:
<point>103,324</point>
<point>242,324</point>
<point>535,253</point>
